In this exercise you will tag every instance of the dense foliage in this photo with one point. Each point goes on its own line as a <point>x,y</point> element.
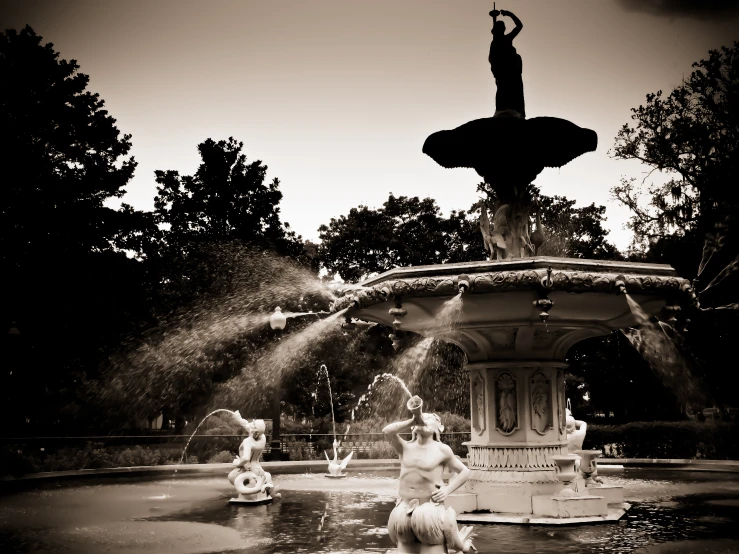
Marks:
<point>71,290</point>
<point>666,440</point>
<point>687,217</point>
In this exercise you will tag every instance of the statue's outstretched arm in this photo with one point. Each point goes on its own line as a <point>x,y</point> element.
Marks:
<point>514,33</point>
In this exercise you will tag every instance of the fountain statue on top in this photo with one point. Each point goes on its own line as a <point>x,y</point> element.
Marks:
<point>253,484</point>
<point>420,522</point>
<point>336,468</point>
<point>508,150</point>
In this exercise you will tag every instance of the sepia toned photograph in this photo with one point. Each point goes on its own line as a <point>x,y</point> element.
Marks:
<point>369,276</point>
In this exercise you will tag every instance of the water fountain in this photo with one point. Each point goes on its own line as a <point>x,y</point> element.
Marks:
<point>335,467</point>
<point>517,315</point>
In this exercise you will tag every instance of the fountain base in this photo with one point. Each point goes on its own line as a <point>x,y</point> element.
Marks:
<point>538,503</point>
<point>612,493</point>
<point>339,476</point>
<point>614,513</point>
<point>252,499</point>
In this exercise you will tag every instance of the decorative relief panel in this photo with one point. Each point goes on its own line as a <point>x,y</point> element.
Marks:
<point>541,403</point>
<point>507,403</point>
<point>478,402</point>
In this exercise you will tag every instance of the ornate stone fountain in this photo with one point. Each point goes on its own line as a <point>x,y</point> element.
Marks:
<point>520,314</point>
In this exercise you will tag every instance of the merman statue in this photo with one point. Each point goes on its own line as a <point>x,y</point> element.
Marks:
<point>253,484</point>
<point>420,522</point>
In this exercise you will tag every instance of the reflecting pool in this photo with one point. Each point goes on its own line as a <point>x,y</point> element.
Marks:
<point>672,512</point>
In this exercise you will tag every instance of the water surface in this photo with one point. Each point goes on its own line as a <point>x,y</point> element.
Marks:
<point>672,512</point>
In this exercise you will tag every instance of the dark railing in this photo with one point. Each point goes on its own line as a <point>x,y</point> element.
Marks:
<point>298,446</point>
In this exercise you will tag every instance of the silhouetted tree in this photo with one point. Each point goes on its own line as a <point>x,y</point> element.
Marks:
<point>226,201</point>
<point>691,137</point>
<point>618,381</point>
<point>575,232</point>
<point>223,258</point>
<point>73,292</point>
<point>406,231</point>
<point>569,232</point>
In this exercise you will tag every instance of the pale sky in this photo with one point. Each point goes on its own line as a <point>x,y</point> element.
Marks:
<point>336,97</point>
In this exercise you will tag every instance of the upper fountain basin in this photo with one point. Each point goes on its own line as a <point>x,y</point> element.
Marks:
<point>498,318</point>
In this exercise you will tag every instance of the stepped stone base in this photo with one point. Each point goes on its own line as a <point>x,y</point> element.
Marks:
<point>570,506</point>
<point>509,497</point>
<point>250,502</point>
<point>252,499</point>
<point>615,512</point>
<point>612,493</point>
<point>462,502</point>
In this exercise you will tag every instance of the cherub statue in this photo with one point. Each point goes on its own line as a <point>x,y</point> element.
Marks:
<point>419,522</point>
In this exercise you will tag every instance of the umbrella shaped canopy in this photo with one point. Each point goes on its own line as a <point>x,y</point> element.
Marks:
<point>509,149</point>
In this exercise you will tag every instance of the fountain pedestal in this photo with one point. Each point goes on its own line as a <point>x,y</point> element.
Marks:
<point>517,427</point>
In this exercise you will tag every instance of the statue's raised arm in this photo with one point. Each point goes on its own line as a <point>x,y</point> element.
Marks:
<point>517,29</point>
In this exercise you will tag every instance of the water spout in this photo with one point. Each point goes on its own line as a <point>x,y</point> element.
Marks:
<point>463,284</point>
<point>547,282</point>
<point>323,369</point>
<point>620,286</point>
<point>377,378</point>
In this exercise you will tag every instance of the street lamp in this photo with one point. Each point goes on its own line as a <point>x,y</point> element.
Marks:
<point>277,321</point>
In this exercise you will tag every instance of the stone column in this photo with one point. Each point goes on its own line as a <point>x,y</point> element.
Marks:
<point>518,424</point>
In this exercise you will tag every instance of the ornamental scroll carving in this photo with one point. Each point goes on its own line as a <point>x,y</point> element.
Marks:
<point>507,404</point>
<point>541,403</point>
<point>562,279</point>
<point>478,403</point>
